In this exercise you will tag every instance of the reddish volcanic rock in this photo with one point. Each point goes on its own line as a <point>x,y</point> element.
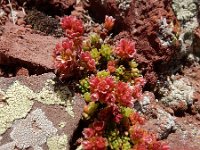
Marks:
<point>19,47</point>
<point>142,19</point>
<point>192,73</point>
<point>186,136</point>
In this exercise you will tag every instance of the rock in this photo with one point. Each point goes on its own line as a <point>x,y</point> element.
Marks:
<point>37,110</point>
<point>32,51</point>
<point>163,125</point>
<point>179,95</point>
<point>22,72</point>
<point>186,136</point>
<point>20,22</point>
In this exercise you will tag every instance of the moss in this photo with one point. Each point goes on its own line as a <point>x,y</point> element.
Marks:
<point>57,142</point>
<point>19,102</point>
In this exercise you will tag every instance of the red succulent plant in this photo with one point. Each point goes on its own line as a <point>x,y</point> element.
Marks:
<point>125,49</point>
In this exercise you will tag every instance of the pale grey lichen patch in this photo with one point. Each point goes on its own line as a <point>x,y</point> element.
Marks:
<point>61,95</point>
<point>58,142</point>
<point>178,94</point>
<point>123,5</point>
<point>19,102</point>
<point>32,131</point>
<point>185,10</point>
<point>8,146</point>
<point>166,123</point>
<point>187,13</point>
<point>166,35</point>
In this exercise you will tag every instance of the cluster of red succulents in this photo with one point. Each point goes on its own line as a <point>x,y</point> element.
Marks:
<point>125,49</point>
<point>102,89</point>
<point>93,137</point>
<point>111,66</point>
<point>110,83</point>
<point>143,140</point>
<point>68,56</point>
<point>72,26</point>
<point>65,58</point>
<point>109,23</point>
<point>87,61</point>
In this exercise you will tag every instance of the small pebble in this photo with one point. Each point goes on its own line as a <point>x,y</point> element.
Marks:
<point>20,22</point>
<point>28,26</point>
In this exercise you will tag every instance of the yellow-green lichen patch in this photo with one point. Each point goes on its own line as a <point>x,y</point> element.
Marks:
<point>62,124</point>
<point>58,142</point>
<point>56,95</point>
<point>19,102</point>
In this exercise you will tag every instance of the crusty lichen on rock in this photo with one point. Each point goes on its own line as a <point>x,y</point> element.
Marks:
<point>56,95</point>
<point>18,102</point>
<point>179,94</point>
<point>32,131</point>
<point>185,9</point>
<point>58,142</point>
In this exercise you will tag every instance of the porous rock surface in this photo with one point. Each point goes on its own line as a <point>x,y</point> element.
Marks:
<point>18,46</point>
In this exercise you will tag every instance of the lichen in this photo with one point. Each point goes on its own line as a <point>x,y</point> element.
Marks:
<point>124,4</point>
<point>166,123</point>
<point>166,35</point>
<point>179,92</point>
<point>58,142</point>
<point>18,99</point>
<point>61,96</point>
<point>32,131</point>
<point>18,102</point>
<point>185,9</point>
<point>187,13</point>
<point>62,124</point>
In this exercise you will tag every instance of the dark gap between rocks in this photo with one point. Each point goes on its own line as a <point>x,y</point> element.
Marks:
<point>11,65</point>
<point>77,134</point>
<point>94,9</point>
<point>46,7</point>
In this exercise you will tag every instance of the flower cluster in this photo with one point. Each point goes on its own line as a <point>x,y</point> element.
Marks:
<point>87,61</point>
<point>109,22</point>
<point>73,27</point>
<point>125,49</point>
<point>69,57</point>
<point>102,89</point>
<point>145,140</point>
<point>65,58</point>
<point>93,137</point>
<point>110,83</point>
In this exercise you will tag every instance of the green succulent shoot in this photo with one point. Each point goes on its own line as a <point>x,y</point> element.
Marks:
<point>94,38</point>
<point>103,73</point>
<point>95,54</point>
<point>84,85</point>
<point>106,51</point>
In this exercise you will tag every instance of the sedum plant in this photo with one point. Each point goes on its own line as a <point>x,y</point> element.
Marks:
<point>110,83</point>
